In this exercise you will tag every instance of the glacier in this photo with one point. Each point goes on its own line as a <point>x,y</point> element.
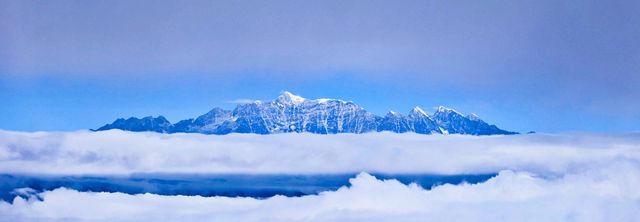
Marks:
<point>292,113</point>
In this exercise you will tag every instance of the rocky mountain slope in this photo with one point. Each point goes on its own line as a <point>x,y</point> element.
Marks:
<point>292,113</point>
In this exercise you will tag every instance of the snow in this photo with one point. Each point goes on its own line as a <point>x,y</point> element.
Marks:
<point>473,116</point>
<point>442,109</point>
<point>290,98</point>
<point>419,110</point>
<point>323,100</point>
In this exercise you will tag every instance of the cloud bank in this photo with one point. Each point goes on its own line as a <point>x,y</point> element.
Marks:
<point>568,177</point>
<point>118,152</point>
<point>608,193</point>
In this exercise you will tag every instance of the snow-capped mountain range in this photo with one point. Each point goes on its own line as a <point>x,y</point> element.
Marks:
<point>292,113</point>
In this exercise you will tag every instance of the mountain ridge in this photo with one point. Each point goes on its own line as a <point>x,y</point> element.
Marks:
<point>292,113</point>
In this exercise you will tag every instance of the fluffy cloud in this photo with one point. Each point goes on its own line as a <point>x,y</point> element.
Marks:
<point>608,193</point>
<point>118,152</point>
<point>568,177</point>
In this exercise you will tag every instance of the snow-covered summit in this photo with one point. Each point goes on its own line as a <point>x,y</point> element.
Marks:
<point>393,113</point>
<point>444,109</point>
<point>473,116</point>
<point>289,98</point>
<point>418,111</point>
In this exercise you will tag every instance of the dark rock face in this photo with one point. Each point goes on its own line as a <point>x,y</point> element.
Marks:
<point>291,113</point>
<point>158,124</point>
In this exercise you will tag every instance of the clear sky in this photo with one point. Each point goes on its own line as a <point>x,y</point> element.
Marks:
<point>550,66</point>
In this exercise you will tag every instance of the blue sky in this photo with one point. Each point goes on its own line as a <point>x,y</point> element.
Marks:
<point>523,65</point>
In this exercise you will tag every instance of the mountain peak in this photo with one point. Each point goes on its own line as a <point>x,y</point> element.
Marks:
<point>393,113</point>
<point>289,98</point>
<point>418,111</point>
<point>293,113</point>
<point>216,110</point>
<point>473,116</point>
<point>151,118</point>
<point>443,109</point>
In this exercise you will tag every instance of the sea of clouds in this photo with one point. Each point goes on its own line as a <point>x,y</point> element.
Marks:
<point>118,152</point>
<point>542,177</point>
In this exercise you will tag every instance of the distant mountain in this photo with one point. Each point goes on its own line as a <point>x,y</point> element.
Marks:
<point>292,113</point>
<point>158,124</point>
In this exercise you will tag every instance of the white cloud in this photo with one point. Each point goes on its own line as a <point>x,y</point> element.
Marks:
<point>118,152</point>
<point>569,177</point>
<point>608,193</point>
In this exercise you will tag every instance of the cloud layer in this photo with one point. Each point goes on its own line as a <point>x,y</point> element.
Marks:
<point>118,152</point>
<point>569,177</point>
<point>608,193</point>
